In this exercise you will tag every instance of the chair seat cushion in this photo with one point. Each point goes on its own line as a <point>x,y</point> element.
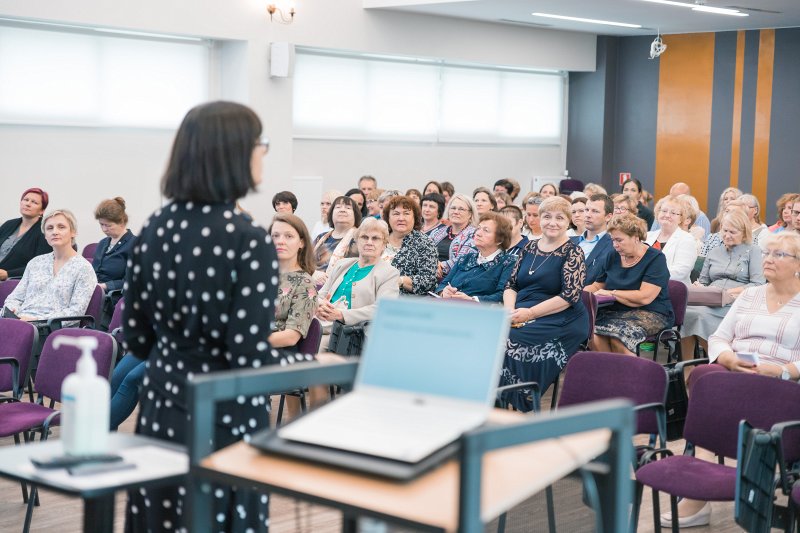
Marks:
<point>689,477</point>
<point>17,417</point>
<point>796,494</point>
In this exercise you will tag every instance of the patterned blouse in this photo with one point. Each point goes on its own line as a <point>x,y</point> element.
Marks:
<point>324,251</point>
<point>462,245</point>
<point>43,295</point>
<point>417,259</point>
<point>296,303</point>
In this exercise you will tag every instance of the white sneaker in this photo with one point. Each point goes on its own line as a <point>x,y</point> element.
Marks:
<point>700,518</point>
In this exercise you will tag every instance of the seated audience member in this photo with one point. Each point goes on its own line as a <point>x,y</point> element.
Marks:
<point>432,187</point>
<point>701,221</point>
<point>547,190</point>
<point>531,204</point>
<point>715,239</point>
<point>284,202</point>
<point>688,225</point>
<point>355,284</point>
<point>624,203</point>
<point>595,241</point>
<point>360,200</point>
<point>415,195</point>
<point>60,283</point>
<point>321,226</point>
<point>518,240</point>
<point>637,276</point>
<point>503,185</point>
<point>751,326</point>
<point>484,200</point>
<point>543,295</point>
<point>297,297</point>
<point>517,188</point>
<point>796,215</point>
<point>457,237</point>
<point>384,197</point>
<point>373,207</point>
<point>367,184</point>
<point>432,211</point>
<point>448,191</point>
<point>727,196</point>
<point>18,245</point>
<point>112,253</point>
<point>338,243</point>
<point>482,277</point>
<point>752,208</point>
<point>410,251</point>
<point>502,199</point>
<point>784,205</point>
<point>733,268</point>
<point>577,226</point>
<point>678,246</point>
<point>593,188</point>
<point>633,187</point>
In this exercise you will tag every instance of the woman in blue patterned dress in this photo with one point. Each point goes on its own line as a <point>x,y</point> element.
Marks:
<point>548,320</point>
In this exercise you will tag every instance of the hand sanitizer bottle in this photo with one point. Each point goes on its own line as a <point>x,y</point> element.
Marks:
<point>85,402</point>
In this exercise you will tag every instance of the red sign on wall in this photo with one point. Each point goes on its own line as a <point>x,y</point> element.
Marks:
<point>623,177</point>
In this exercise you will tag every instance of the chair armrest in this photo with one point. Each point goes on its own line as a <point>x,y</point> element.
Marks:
<point>58,322</point>
<point>649,457</point>
<point>536,395</point>
<point>14,373</point>
<point>7,399</point>
<point>115,292</point>
<point>661,418</point>
<point>692,362</point>
<point>117,334</point>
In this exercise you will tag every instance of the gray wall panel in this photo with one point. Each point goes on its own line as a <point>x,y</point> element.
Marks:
<point>719,168</point>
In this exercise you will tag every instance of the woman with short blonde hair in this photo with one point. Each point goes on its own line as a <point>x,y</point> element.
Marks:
<point>679,246</point>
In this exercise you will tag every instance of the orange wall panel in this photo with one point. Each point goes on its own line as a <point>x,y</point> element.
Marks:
<point>683,130</point>
<point>766,62</point>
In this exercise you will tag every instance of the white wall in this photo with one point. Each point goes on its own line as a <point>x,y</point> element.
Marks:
<point>81,166</point>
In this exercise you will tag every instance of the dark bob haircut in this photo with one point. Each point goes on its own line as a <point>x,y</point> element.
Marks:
<point>210,159</point>
<point>403,202</point>
<point>364,209</point>
<point>435,197</point>
<point>347,201</point>
<point>285,196</point>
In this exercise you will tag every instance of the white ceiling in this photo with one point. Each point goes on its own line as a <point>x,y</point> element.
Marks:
<point>653,17</point>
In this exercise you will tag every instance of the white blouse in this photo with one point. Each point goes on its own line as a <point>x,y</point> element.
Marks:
<point>43,295</point>
<point>750,327</point>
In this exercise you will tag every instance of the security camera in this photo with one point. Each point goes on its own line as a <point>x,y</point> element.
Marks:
<point>657,47</point>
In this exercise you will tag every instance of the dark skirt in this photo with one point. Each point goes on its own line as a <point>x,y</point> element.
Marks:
<point>631,327</point>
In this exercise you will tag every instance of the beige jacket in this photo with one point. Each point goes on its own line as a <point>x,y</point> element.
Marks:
<point>381,282</point>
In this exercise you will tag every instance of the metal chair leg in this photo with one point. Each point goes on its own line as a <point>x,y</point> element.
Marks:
<point>551,511</point>
<point>501,523</point>
<point>656,512</point>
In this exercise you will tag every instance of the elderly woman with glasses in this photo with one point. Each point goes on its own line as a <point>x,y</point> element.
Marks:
<point>679,246</point>
<point>457,238</point>
<point>752,208</point>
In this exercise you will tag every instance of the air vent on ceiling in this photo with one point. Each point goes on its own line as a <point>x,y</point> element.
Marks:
<point>525,23</point>
<point>756,10</point>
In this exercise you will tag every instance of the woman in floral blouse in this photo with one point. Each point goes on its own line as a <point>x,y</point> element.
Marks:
<point>409,250</point>
<point>297,297</point>
<point>463,216</point>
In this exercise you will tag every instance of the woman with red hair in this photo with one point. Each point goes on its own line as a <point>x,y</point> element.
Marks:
<point>21,239</point>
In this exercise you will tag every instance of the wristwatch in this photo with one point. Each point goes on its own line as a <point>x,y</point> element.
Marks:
<point>785,375</point>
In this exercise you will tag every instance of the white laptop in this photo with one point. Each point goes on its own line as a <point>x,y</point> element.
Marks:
<point>428,373</point>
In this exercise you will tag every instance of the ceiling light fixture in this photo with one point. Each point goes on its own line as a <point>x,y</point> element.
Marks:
<point>590,21</point>
<point>699,5</point>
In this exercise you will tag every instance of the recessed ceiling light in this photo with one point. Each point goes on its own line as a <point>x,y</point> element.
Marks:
<point>590,21</point>
<point>701,7</point>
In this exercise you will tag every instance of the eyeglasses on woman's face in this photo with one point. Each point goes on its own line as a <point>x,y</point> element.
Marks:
<point>459,209</point>
<point>621,209</point>
<point>778,255</point>
<point>667,212</point>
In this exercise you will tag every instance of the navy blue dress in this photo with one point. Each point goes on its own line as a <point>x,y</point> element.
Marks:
<point>485,281</point>
<point>539,350</point>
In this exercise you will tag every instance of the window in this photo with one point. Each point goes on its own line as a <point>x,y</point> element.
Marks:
<point>79,78</point>
<point>361,97</point>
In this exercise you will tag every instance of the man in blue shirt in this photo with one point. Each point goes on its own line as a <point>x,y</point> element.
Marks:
<point>595,242</point>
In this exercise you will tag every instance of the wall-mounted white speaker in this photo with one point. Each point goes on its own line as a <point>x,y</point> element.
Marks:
<point>281,59</point>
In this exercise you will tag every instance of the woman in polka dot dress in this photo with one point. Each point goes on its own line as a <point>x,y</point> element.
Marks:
<point>202,282</point>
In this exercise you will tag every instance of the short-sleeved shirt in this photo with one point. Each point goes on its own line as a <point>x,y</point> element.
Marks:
<point>652,268</point>
<point>297,302</point>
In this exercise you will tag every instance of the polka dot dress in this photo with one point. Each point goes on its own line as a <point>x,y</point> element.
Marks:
<point>201,287</point>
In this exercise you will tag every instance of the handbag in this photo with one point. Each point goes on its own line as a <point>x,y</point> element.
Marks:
<point>677,404</point>
<point>347,339</point>
<point>708,295</point>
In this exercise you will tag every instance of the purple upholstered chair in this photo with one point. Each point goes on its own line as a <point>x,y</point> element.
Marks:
<point>115,325</point>
<point>678,295</point>
<point>17,340</point>
<point>55,365</point>
<point>6,288</point>
<point>719,401</point>
<point>88,251</point>
<point>307,345</point>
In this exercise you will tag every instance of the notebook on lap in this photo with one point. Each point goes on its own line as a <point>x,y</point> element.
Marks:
<point>429,372</point>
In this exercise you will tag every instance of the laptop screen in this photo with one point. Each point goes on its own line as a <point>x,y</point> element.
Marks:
<point>433,347</point>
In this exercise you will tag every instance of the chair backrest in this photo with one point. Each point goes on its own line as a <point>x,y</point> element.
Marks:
<point>594,376</point>
<point>310,344</point>
<point>590,302</point>
<point>56,364</point>
<point>6,288</point>
<point>17,339</point>
<point>678,295</point>
<point>95,307</point>
<point>116,316</point>
<point>720,400</point>
<point>88,251</point>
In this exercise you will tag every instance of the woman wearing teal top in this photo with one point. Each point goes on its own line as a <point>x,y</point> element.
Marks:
<point>355,285</point>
